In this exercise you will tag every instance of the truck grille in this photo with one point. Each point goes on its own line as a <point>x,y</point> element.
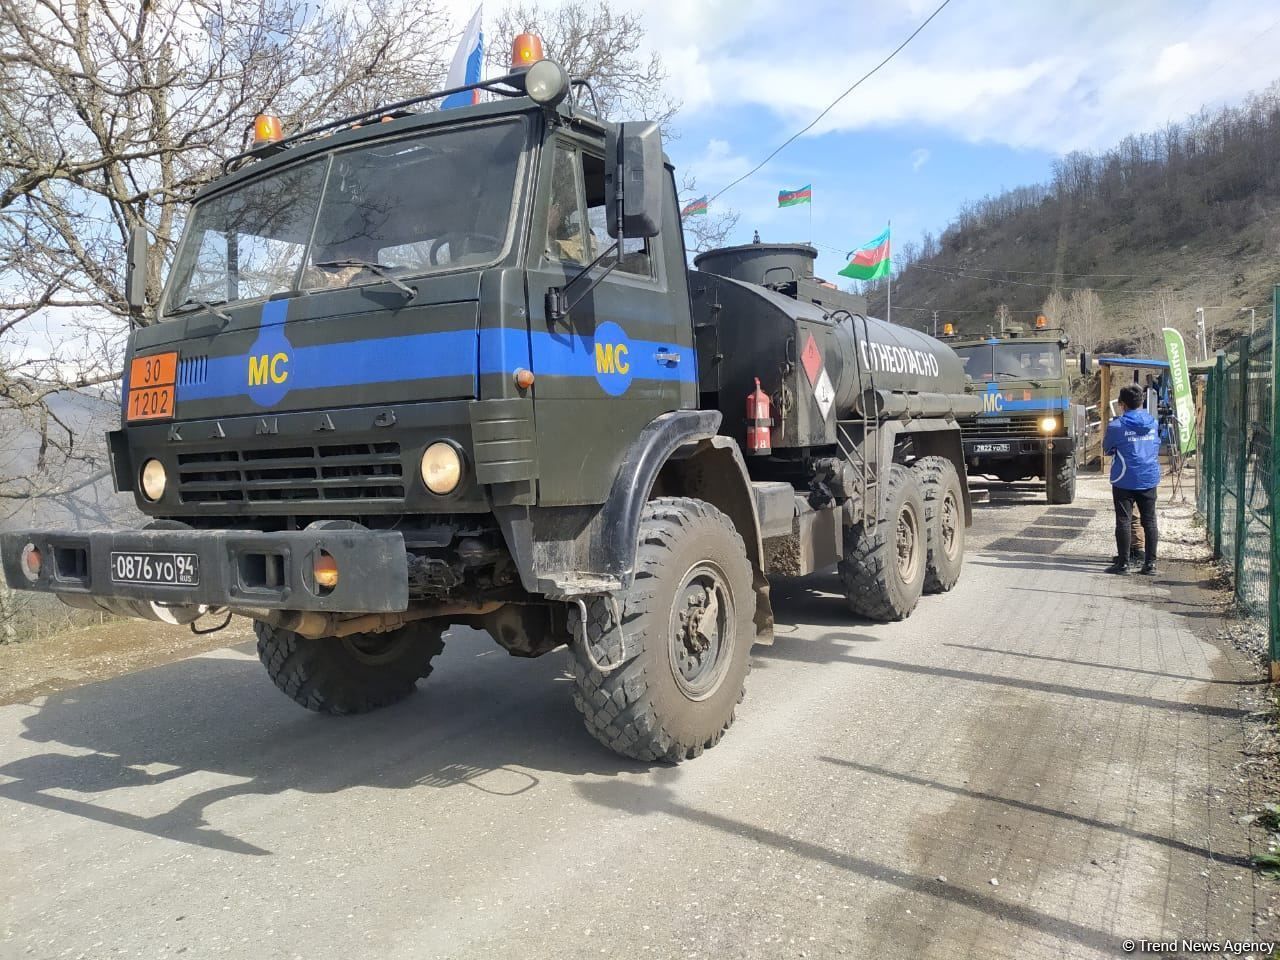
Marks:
<point>1015,425</point>
<point>348,471</point>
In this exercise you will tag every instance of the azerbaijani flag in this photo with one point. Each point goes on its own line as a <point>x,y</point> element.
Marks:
<point>791,198</point>
<point>870,262</point>
<point>698,208</point>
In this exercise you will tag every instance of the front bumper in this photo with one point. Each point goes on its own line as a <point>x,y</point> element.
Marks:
<point>1012,448</point>
<point>237,569</point>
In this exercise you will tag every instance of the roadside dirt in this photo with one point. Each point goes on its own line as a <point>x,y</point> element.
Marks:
<point>32,668</point>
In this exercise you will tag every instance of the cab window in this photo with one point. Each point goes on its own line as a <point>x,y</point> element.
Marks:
<point>576,222</point>
<point>568,236</point>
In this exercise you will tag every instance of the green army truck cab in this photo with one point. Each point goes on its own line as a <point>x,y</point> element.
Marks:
<point>420,368</point>
<point>1028,426</point>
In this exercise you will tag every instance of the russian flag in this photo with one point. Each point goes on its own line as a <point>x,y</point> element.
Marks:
<point>467,63</point>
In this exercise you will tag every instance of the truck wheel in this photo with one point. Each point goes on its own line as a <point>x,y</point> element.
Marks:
<point>1061,482</point>
<point>685,643</point>
<point>944,522</point>
<point>356,674</point>
<point>883,569</point>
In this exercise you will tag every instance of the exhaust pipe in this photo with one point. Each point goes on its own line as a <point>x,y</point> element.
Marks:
<point>178,614</point>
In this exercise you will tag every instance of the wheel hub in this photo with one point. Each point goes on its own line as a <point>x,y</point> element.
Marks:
<point>701,633</point>
<point>950,524</point>
<point>908,536</point>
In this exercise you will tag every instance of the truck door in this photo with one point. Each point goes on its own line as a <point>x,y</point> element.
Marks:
<point>624,353</point>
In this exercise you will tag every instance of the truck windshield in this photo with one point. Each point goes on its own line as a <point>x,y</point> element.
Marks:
<point>1015,361</point>
<point>405,207</point>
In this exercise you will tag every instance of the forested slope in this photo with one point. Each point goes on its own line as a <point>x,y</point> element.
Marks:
<point>1119,243</point>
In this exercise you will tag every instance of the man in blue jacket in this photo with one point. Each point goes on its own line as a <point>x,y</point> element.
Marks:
<point>1133,441</point>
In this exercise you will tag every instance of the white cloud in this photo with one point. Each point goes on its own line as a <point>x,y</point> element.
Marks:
<point>1174,61</point>
<point>919,158</point>
<point>1052,77</point>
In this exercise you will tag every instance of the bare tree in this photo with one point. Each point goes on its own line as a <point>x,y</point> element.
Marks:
<point>597,43</point>
<point>1084,319</point>
<point>704,231</point>
<point>1055,308</point>
<point>1002,316</point>
<point>112,115</point>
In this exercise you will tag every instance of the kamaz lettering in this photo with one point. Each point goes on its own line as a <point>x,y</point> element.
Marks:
<point>266,368</point>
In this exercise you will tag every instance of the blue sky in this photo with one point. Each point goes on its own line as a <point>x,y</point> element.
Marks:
<point>985,98</point>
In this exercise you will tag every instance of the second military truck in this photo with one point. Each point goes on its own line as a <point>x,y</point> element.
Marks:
<point>1029,426</point>
<point>419,368</point>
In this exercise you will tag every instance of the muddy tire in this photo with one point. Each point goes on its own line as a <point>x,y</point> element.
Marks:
<point>944,522</point>
<point>883,569</point>
<point>1061,482</point>
<point>345,675</point>
<point>685,645</point>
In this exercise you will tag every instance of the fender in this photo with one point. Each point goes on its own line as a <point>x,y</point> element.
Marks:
<point>670,435</point>
<point>573,550</point>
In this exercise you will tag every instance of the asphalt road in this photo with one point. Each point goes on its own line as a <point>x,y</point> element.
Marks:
<point>1031,766</point>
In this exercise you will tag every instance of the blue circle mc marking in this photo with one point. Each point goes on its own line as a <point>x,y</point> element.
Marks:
<point>268,368</point>
<point>612,358</point>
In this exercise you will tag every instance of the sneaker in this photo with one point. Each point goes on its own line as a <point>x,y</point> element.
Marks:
<point>1148,570</point>
<point>1121,568</point>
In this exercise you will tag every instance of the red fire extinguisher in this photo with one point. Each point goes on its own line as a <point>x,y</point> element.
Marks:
<point>759,422</point>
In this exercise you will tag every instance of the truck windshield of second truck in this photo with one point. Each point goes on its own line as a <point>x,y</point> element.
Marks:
<point>408,206</point>
<point>1012,361</point>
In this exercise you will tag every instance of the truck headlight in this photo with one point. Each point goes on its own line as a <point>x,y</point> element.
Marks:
<point>1048,424</point>
<point>441,467</point>
<point>153,480</point>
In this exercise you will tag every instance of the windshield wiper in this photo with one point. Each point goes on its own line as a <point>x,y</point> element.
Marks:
<point>212,306</point>
<point>380,269</point>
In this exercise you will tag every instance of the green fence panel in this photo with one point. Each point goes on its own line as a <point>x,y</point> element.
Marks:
<point>1273,493</point>
<point>1238,483</point>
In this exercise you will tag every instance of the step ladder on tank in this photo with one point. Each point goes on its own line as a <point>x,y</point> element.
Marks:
<point>863,458</point>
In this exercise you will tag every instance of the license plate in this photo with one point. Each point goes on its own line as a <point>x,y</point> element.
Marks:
<point>991,448</point>
<point>169,569</point>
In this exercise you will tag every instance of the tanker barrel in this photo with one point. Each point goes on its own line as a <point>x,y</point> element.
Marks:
<point>885,403</point>
<point>897,361</point>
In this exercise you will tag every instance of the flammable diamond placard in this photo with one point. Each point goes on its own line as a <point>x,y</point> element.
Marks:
<point>811,359</point>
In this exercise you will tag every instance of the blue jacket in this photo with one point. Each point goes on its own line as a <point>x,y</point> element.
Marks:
<point>1133,439</point>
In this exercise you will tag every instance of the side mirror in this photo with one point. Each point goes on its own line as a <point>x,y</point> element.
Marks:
<point>633,180</point>
<point>135,283</point>
<point>1086,364</point>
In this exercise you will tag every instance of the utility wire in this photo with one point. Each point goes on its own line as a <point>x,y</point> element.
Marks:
<point>866,76</point>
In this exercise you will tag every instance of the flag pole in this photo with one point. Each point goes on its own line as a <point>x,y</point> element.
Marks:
<point>889,307</point>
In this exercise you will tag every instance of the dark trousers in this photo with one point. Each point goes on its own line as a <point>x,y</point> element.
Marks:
<point>1146,503</point>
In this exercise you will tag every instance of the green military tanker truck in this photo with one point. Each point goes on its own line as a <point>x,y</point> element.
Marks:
<point>1028,427</point>
<point>425,367</point>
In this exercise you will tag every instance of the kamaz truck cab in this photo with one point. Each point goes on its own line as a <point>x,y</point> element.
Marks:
<point>1028,427</point>
<point>421,367</point>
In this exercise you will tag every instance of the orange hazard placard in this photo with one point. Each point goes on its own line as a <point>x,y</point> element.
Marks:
<point>157,370</point>
<point>151,393</point>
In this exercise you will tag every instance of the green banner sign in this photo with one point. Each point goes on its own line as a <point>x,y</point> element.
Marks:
<point>1183,405</point>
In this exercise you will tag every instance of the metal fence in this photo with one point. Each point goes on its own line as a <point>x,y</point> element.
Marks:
<point>1239,473</point>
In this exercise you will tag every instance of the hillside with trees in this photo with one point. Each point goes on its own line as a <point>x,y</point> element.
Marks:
<point>1119,243</point>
